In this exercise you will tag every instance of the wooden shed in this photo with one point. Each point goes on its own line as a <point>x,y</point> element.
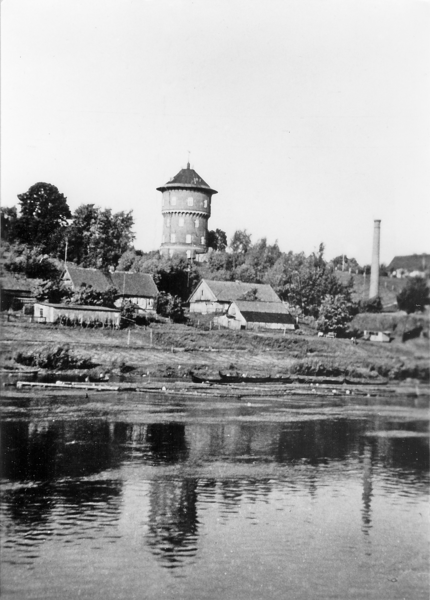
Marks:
<point>257,315</point>
<point>46,312</point>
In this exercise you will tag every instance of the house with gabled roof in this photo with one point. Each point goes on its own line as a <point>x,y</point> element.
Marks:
<point>412,265</point>
<point>243,314</point>
<point>216,296</point>
<point>139,288</point>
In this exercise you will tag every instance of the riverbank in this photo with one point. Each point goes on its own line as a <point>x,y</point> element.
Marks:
<point>172,351</point>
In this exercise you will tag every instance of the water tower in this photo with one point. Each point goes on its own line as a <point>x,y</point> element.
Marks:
<point>186,208</point>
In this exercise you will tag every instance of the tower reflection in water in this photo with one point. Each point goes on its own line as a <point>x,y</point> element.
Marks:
<point>51,470</point>
<point>172,520</point>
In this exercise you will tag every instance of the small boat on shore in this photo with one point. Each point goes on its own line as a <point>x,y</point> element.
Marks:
<point>199,379</point>
<point>236,378</point>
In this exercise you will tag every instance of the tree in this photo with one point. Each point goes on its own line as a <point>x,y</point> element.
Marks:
<point>170,306</point>
<point>43,218</point>
<point>86,294</point>
<point>373,305</point>
<point>261,257</point>
<point>31,262</point>
<point>9,218</point>
<point>414,296</point>
<point>335,313</point>
<point>240,242</point>
<point>52,290</point>
<point>97,237</point>
<point>217,240</point>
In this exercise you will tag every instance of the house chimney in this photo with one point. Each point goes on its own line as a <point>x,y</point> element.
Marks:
<point>374,271</point>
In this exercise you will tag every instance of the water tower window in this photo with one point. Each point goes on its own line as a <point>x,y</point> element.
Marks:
<point>173,238</point>
<point>205,203</point>
<point>188,238</point>
<point>196,222</point>
<point>202,239</point>
<point>173,200</point>
<point>190,201</point>
<point>168,222</point>
<point>181,221</point>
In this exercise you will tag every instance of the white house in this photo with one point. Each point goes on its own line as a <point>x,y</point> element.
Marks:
<point>216,296</point>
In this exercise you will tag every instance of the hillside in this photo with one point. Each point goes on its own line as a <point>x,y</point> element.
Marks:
<point>389,287</point>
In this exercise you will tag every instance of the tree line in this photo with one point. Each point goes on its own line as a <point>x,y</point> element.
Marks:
<point>42,232</point>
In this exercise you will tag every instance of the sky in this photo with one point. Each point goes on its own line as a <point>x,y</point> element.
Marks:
<point>310,117</point>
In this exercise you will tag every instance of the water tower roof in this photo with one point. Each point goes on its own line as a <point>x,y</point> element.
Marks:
<point>187,178</point>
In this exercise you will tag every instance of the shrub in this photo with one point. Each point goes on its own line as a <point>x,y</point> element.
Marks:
<point>414,296</point>
<point>54,357</point>
<point>373,305</point>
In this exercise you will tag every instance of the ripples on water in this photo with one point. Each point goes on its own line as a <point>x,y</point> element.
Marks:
<point>227,500</point>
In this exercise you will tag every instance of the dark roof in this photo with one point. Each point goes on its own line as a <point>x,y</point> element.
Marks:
<point>264,312</point>
<point>412,262</point>
<point>187,178</point>
<point>11,283</point>
<point>229,291</point>
<point>99,280</point>
<point>262,317</point>
<point>136,284</point>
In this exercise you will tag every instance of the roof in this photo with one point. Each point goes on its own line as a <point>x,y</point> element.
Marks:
<point>127,283</point>
<point>264,312</point>
<point>187,178</point>
<point>411,262</point>
<point>229,291</point>
<point>79,307</point>
<point>99,280</point>
<point>10,283</point>
<point>136,284</point>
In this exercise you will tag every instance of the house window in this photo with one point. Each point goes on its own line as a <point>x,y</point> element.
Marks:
<point>197,222</point>
<point>202,240</point>
<point>173,238</point>
<point>181,221</point>
<point>205,203</point>
<point>41,312</point>
<point>173,200</point>
<point>190,201</point>
<point>150,302</point>
<point>188,238</point>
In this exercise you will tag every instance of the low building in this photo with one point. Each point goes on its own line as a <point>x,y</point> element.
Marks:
<point>377,336</point>
<point>78,314</point>
<point>412,265</point>
<point>257,315</point>
<point>216,296</point>
<point>15,292</point>
<point>139,288</point>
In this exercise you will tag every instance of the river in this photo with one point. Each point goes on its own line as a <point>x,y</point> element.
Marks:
<point>133,496</point>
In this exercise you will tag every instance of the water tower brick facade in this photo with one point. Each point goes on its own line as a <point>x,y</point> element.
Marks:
<point>186,208</point>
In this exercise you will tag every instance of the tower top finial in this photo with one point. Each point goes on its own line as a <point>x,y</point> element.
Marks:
<point>188,163</point>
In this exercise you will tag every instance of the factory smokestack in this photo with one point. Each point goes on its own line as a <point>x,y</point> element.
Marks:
<point>374,271</point>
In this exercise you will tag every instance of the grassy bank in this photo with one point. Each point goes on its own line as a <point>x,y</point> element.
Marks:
<point>174,350</point>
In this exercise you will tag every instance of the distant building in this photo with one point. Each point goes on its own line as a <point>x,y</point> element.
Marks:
<point>413,265</point>
<point>257,315</point>
<point>47,312</point>
<point>216,296</point>
<point>139,288</point>
<point>15,292</point>
<point>186,208</point>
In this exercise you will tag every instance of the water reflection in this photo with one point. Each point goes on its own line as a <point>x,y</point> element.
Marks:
<point>65,479</point>
<point>172,520</point>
